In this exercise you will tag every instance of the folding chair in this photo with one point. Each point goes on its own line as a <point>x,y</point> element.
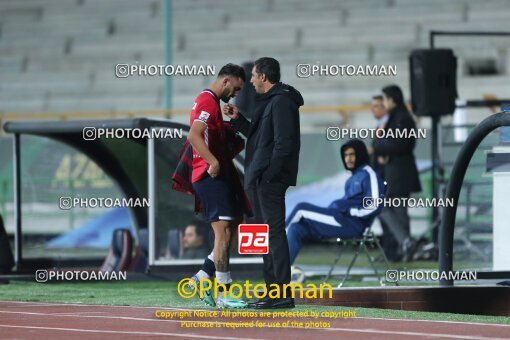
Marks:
<point>368,237</point>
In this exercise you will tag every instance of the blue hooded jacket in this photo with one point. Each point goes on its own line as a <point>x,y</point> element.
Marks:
<point>362,189</point>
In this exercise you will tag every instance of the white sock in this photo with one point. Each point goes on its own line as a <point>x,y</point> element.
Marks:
<point>202,275</point>
<point>223,277</point>
<point>211,256</point>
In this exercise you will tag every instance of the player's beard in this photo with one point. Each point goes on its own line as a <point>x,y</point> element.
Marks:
<point>225,95</point>
<point>225,98</point>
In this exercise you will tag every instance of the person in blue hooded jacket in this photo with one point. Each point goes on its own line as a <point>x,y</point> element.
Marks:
<point>347,217</point>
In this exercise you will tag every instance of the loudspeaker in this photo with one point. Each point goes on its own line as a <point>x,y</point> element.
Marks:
<point>245,100</point>
<point>433,81</point>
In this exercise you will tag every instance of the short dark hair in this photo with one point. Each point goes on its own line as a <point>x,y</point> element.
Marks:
<point>377,97</point>
<point>270,67</point>
<point>394,92</point>
<point>232,70</point>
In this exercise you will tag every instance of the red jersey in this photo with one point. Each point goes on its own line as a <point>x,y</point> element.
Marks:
<point>207,111</point>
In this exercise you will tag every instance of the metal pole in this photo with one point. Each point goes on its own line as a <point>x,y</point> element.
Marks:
<point>18,236</point>
<point>458,172</point>
<point>454,185</point>
<point>435,146</point>
<point>167,28</point>
<point>152,199</point>
<point>435,151</point>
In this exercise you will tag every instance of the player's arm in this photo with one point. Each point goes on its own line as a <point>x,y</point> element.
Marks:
<point>197,141</point>
<point>341,205</point>
<point>369,195</point>
<point>350,198</point>
<point>237,120</point>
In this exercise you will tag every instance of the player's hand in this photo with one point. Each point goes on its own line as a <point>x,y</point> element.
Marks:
<point>231,111</point>
<point>214,169</point>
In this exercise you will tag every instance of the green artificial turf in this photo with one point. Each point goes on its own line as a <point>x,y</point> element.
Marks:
<point>164,294</point>
<point>325,255</point>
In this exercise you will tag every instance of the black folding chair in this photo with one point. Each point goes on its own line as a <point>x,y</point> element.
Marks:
<point>368,238</point>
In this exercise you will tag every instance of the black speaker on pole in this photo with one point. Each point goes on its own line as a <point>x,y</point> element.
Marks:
<point>245,100</point>
<point>433,81</point>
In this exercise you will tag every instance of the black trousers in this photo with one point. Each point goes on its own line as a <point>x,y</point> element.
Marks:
<point>389,243</point>
<point>268,200</point>
<point>397,221</point>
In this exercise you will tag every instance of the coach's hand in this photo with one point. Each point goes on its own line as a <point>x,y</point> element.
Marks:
<point>214,169</point>
<point>231,111</point>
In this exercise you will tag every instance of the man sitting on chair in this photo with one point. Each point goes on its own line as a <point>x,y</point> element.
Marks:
<point>347,217</point>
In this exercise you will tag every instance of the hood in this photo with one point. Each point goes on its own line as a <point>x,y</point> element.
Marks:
<point>279,89</point>
<point>361,152</point>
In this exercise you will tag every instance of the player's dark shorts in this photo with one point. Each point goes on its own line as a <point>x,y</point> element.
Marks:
<point>217,199</point>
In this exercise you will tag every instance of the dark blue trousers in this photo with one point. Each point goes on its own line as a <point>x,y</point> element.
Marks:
<point>308,222</point>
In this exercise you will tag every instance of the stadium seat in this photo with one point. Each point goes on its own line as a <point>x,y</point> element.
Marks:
<point>119,256</point>
<point>174,248</point>
<point>42,43</point>
<point>368,238</point>
<point>6,258</point>
<point>141,258</point>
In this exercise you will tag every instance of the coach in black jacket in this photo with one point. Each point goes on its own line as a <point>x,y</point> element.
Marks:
<point>400,170</point>
<point>271,165</point>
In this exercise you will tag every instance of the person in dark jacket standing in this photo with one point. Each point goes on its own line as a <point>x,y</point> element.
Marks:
<point>400,170</point>
<point>388,241</point>
<point>271,165</point>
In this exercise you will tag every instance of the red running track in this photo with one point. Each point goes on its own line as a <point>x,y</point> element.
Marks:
<point>31,320</point>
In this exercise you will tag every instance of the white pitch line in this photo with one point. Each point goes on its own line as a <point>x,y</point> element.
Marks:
<point>431,335</point>
<point>363,317</point>
<point>31,305</point>
<point>77,313</point>
<point>180,335</point>
<point>99,316</point>
<point>348,330</point>
<point>130,318</point>
<point>436,321</point>
<point>374,331</point>
<point>198,309</point>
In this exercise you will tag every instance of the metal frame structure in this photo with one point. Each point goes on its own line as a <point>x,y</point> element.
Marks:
<point>367,238</point>
<point>447,222</point>
<point>70,133</point>
<point>447,226</point>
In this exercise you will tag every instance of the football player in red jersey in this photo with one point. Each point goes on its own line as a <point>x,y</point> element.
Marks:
<point>212,177</point>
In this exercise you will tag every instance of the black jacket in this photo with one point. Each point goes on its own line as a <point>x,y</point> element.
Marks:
<point>400,171</point>
<point>273,137</point>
